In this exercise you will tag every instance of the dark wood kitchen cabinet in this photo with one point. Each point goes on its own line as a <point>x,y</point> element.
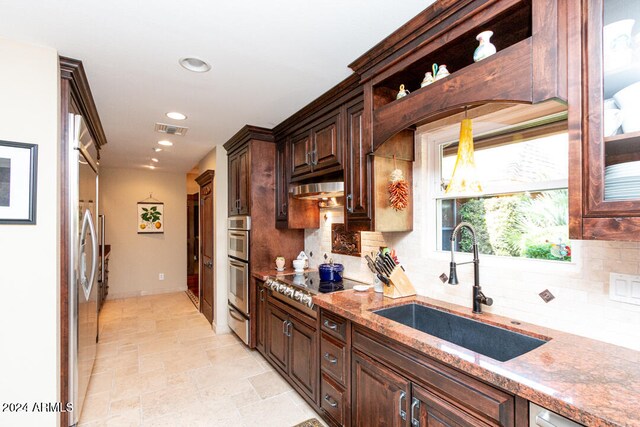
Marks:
<point>318,150</point>
<point>261,317</point>
<point>292,346</point>
<point>394,386</point>
<point>335,356</point>
<point>602,69</point>
<point>277,338</point>
<point>291,213</point>
<point>379,394</point>
<point>239,182</point>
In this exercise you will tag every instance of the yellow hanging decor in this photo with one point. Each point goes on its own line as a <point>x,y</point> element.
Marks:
<point>464,178</point>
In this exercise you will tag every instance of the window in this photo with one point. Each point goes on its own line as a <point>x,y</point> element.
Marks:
<point>523,210</point>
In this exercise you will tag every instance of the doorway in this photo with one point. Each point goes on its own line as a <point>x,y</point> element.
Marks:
<point>206,216</point>
<point>193,283</point>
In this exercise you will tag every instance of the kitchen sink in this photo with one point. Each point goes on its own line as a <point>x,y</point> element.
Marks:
<point>491,341</point>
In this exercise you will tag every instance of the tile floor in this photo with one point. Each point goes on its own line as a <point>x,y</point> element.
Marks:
<point>160,364</point>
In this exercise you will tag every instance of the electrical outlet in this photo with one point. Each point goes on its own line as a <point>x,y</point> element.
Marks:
<point>161,276</point>
<point>624,288</point>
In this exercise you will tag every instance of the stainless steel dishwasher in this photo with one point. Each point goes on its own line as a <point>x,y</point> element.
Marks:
<point>539,416</point>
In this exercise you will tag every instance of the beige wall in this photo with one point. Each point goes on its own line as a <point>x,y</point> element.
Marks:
<point>137,259</point>
<point>216,160</point>
<point>581,288</point>
<point>29,285</point>
<point>192,185</point>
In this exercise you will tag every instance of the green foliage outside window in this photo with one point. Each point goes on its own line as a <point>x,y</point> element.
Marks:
<point>519,225</point>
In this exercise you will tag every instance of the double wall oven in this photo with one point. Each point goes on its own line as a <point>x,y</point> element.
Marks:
<point>238,268</point>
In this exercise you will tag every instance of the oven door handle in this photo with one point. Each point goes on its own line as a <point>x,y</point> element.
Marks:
<point>241,265</point>
<point>231,313</point>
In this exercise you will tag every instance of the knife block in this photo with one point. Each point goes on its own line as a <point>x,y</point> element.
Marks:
<point>399,285</point>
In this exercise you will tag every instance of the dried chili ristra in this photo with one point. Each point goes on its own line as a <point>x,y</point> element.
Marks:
<point>398,191</point>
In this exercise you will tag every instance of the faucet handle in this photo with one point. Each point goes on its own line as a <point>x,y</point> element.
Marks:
<point>484,299</point>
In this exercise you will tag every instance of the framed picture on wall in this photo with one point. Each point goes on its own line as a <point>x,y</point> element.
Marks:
<point>18,173</point>
<point>150,217</point>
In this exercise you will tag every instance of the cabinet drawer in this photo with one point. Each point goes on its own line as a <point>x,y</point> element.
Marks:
<point>333,358</point>
<point>333,400</point>
<point>334,325</point>
<point>475,397</point>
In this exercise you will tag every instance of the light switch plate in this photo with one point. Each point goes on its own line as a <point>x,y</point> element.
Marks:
<point>624,288</point>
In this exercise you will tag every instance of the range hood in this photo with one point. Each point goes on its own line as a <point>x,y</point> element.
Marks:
<point>319,190</point>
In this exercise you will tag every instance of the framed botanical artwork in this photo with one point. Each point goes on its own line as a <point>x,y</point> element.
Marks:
<point>150,217</point>
<point>18,174</point>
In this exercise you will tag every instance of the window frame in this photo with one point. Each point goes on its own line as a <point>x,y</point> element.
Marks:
<point>429,155</point>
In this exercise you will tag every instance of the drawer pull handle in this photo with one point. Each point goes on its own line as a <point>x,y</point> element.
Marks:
<point>331,325</point>
<point>331,358</point>
<point>330,401</point>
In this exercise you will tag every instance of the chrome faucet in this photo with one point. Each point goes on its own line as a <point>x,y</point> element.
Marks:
<point>478,297</point>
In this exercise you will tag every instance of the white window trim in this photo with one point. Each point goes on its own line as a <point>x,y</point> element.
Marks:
<point>428,160</point>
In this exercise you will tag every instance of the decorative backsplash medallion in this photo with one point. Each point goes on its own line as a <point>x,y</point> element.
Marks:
<point>344,242</point>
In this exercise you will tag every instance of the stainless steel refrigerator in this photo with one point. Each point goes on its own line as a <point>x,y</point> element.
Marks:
<point>84,262</point>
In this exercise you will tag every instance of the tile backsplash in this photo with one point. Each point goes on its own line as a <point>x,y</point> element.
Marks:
<point>581,288</point>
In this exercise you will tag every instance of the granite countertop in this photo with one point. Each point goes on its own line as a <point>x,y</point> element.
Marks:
<point>589,381</point>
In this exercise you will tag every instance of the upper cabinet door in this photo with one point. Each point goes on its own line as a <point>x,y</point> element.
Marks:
<point>357,176</point>
<point>300,155</point>
<point>282,184</point>
<point>234,167</point>
<point>326,148</point>
<point>243,182</point>
<point>610,194</point>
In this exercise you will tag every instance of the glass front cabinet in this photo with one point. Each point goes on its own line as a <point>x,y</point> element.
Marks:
<point>606,188</point>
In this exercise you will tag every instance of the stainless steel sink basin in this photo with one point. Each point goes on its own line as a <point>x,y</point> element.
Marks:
<point>492,341</point>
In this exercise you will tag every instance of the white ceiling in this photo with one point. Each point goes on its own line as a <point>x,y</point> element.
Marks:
<point>269,58</point>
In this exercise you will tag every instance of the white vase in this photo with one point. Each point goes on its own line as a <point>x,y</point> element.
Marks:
<point>442,72</point>
<point>402,92</point>
<point>428,79</point>
<point>486,48</point>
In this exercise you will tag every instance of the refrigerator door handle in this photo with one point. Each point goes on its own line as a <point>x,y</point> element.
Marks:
<point>87,285</point>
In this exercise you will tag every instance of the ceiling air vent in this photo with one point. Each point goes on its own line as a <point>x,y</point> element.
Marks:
<point>171,129</point>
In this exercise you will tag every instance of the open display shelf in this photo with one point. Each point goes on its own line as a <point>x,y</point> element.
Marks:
<point>510,70</point>
<point>511,25</point>
<point>525,69</point>
<point>622,148</point>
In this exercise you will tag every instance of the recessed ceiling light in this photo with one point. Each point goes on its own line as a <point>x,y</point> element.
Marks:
<point>176,116</point>
<point>153,159</point>
<point>194,64</point>
<point>165,143</point>
<point>151,167</point>
<point>157,149</point>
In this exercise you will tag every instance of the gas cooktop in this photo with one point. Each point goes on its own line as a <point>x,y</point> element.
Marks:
<point>310,282</point>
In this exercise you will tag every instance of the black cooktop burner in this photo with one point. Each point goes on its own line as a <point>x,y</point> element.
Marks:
<point>311,283</point>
